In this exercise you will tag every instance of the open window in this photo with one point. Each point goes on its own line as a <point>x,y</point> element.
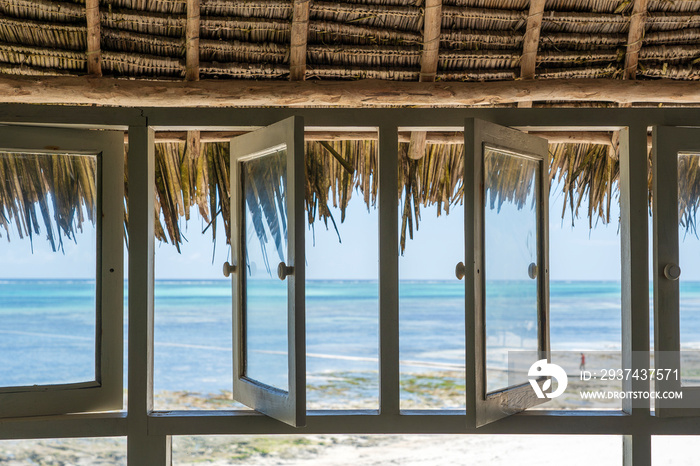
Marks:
<point>676,165</point>
<point>506,201</point>
<point>62,212</point>
<point>267,250</point>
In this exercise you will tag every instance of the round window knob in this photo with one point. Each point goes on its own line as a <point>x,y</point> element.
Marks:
<point>283,270</point>
<point>229,269</point>
<point>672,271</point>
<point>460,271</point>
<point>532,270</point>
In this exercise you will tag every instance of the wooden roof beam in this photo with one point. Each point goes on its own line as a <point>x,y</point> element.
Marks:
<point>94,54</point>
<point>192,41</point>
<point>635,38</point>
<point>432,25</point>
<point>81,90</point>
<point>299,36</point>
<point>531,42</point>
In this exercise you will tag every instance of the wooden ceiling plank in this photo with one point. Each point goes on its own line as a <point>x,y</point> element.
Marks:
<point>94,54</point>
<point>298,42</point>
<point>635,38</point>
<point>531,42</point>
<point>192,41</point>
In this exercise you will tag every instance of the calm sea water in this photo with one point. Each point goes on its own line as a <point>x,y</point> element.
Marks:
<point>47,330</point>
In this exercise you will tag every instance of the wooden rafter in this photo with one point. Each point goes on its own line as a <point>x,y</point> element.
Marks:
<point>432,25</point>
<point>77,90</point>
<point>94,54</point>
<point>531,42</point>
<point>431,40</point>
<point>299,35</point>
<point>192,41</point>
<point>635,38</point>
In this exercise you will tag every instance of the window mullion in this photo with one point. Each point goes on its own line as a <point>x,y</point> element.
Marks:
<point>142,448</point>
<point>389,398</point>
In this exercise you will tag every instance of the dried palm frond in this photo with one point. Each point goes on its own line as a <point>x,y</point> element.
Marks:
<point>187,175</point>
<point>62,187</point>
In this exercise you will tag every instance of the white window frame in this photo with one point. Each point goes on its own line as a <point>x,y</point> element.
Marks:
<point>149,432</point>
<point>289,405</point>
<point>105,392</point>
<point>483,407</point>
<point>667,143</point>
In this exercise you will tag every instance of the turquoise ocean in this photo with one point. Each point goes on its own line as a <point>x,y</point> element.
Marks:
<point>47,330</point>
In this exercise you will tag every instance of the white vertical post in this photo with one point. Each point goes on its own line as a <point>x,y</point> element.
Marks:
<point>389,388</point>
<point>634,237</point>
<point>142,449</point>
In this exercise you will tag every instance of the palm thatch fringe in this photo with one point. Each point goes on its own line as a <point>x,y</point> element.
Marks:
<point>138,64</point>
<point>161,24</point>
<point>335,171</point>
<point>478,40</point>
<point>61,186</point>
<point>177,7</point>
<point>365,55</point>
<point>246,29</point>
<point>243,52</point>
<point>28,32</point>
<point>334,33</point>
<point>134,42</point>
<point>270,9</point>
<point>400,18</point>
<point>584,42</point>
<point>44,10</point>
<point>242,70</point>
<point>43,57</point>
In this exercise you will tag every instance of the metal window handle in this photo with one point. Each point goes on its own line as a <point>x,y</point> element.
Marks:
<point>283,270</point>
<point>672,271</point>
<point>532,270</point>
<point>229,269</point>
<point>460,271</point>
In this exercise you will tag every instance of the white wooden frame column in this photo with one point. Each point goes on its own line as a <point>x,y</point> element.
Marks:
<point>142,447</point>
<point>634,250</point>
<point>389,383</point>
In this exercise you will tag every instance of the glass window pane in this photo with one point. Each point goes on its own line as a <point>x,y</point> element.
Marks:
<point>48,293</point>
<point>342,291</point>
<point>431,297</point>
<point>264,181</point>
<point>511,187</point>
<point>688,252</point>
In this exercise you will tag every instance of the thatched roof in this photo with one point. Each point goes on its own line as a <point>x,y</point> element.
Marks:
<point>250,39</point>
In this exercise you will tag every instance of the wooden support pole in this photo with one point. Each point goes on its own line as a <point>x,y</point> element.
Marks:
<point>531,42</point>
<point>432,24</point>
<point>635,38</point>
<point>350,94</point>
<point>299,35</point>
<point>94,55</point>
<point>192,41</point>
